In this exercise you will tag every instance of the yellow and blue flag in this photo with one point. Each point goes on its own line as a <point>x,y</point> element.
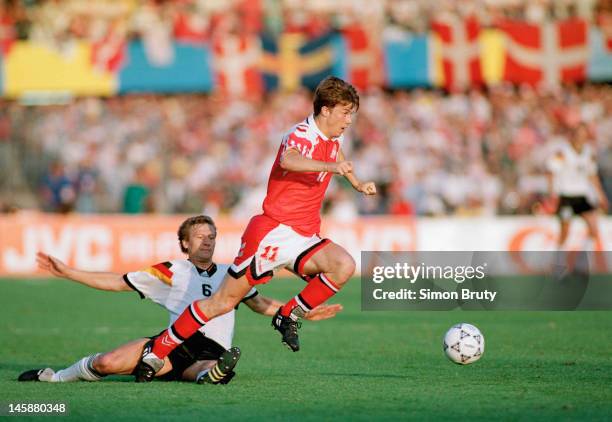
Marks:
<point>292,60</point>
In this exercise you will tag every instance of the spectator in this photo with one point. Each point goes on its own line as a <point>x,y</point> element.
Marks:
<point>57,189</point>
<point>137,197</point>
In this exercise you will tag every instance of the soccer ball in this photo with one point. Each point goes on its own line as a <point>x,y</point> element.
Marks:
<point>463,343</point>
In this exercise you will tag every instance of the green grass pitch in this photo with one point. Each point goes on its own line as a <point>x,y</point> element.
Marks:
<point>359,366</point>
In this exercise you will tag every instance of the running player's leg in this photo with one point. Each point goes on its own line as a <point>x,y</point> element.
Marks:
<point>593,242</point>
<point>328,270</point>
<point>590,219</point>
<point>564,225</point>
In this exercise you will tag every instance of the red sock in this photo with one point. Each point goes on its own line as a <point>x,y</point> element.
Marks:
<point>319,289</point>
<point>190,321</point>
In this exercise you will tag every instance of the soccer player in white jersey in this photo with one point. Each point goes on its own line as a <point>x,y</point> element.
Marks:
<point>207,355</point>
<point>575,187</point>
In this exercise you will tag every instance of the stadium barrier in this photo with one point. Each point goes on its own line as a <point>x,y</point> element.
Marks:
<point>121,243</point>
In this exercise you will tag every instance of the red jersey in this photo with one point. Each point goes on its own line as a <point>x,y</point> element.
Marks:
<point>295,198</point>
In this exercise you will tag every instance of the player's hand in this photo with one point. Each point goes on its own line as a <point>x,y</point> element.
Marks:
<point>367,188</point>
<point>323,312</point>
<point>342,167</point>
<point>51,264</point>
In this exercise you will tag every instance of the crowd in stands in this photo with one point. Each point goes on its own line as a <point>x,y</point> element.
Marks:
<point>58,21</point>
<point>479,153</point>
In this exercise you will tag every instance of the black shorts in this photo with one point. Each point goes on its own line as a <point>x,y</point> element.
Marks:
<point>195,348</point>
<point>573,205</point>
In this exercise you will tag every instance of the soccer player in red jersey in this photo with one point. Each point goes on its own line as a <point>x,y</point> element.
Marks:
<point>287,233</point>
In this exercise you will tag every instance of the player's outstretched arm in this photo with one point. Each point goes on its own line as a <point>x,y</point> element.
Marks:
<point>367,188</point>
<point>97,280</point>
<point>268,306</point>
<point>292,160</point>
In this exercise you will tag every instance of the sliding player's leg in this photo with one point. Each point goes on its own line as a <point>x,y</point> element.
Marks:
<point>203,360</point>
<point>119,361</point>
<point>200,367</point>
<point>326,267</point>
<point>222,371</point>
<point>123,360</point>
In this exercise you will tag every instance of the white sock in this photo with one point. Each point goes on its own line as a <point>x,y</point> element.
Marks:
<point>46,375</point>
<point>81,370</point>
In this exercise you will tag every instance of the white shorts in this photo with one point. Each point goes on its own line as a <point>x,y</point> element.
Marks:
<point>267,245</point>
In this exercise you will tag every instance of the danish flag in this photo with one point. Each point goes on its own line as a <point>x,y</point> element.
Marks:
<point>460,51</point>
<point>549,53</point>
<point>235,61</point>
<point>363,50</point>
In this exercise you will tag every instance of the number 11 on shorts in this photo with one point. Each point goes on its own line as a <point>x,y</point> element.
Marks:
<point>270,253</point>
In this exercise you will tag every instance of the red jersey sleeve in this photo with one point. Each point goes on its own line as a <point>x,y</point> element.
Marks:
<point>298,141</point>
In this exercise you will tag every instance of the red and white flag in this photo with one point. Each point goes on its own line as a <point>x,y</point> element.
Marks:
<point>363,52</point>
<point>190,27</point>
<point>549,53</point>
<point>8,33</point>
<point>460,51</point>
<point>604,20</point>
<point>108,53</point>
<point>235,61</point>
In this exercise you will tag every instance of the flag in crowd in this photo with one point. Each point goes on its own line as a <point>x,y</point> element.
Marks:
<point>460,51</point>
<point>550,53</point>
<point>455,54</point>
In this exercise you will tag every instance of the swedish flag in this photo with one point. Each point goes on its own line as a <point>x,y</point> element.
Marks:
<point>291,60</point>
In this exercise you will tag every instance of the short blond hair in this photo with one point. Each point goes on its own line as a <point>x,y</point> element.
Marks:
<point>183,231</point>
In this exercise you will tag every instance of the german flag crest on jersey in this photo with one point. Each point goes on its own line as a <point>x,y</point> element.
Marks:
<point>162,271</point>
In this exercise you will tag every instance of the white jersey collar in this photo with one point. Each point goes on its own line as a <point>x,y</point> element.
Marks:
<point>310,120</point>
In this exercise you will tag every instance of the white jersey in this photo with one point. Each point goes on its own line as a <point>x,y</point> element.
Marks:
<point>176,284</point>
<point>572,170</point>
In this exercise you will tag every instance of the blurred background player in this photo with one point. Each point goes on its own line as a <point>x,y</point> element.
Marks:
<point>287,233</point>
<point>575,186</point>
<point>205,356</point>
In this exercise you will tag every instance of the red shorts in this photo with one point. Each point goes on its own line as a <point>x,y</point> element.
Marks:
<point>267,245</point>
